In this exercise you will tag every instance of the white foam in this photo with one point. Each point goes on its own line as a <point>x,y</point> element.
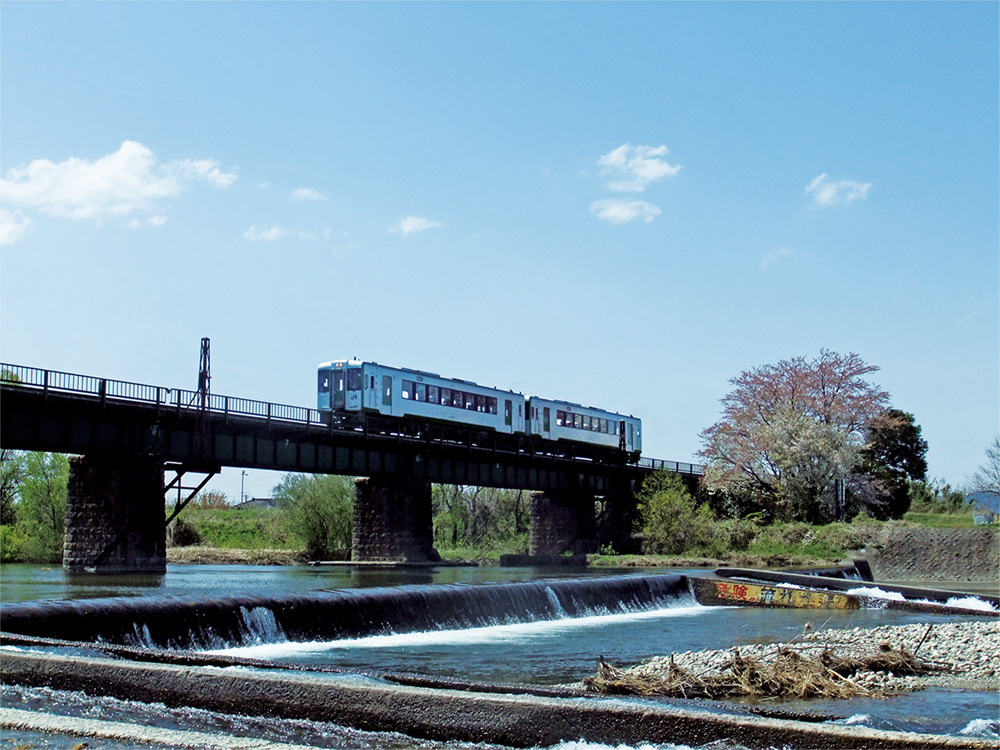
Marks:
<point>989,728</point>
<point>971,602</point>
<point>513,633</point>
<point>877,594</point>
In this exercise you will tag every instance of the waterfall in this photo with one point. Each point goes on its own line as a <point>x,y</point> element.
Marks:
<point>207,623</point>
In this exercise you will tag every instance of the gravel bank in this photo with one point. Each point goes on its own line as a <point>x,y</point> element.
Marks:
<point>970,651</point>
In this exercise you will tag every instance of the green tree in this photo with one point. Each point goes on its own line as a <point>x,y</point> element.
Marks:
<point>485,518</point>
<point>894,456</point>
<point>320,511</point>
<point>40,507</point>
<point>670,521</point>
<point>11,470</point>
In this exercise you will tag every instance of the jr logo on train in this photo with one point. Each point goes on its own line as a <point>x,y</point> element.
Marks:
<point>353,386</point>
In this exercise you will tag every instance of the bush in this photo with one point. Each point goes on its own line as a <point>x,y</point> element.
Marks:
<point>319,510</point>
<point>671,522</point>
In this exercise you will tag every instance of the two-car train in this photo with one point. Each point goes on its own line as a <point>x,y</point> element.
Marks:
<point>353,386</point>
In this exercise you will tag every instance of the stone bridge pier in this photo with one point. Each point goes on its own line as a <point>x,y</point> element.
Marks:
<point>579,522</point>
<point>393,520</point>
<point>115,519</point>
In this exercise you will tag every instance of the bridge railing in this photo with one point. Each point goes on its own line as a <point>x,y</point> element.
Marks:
<point>178,398</point>
<point>656,464</point>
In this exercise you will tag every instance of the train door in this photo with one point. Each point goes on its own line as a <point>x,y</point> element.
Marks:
<point>338,390</point>
<point>386,407</point>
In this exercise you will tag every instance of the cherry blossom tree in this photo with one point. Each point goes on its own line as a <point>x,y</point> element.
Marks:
<point>790,430</point>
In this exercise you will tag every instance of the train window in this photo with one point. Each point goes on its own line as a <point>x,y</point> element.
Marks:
<point>387,390</point>
<point>578,421</point>
<point>408,389</point>
<point>446,397</point>
<point>546,424</point>
<point>586,422</point>
<point>507,412</point>
<point>432,394</point>
<point>457,399</point>
<point>354,379</point>
<point>480,403</point>
<point>421,393</point>
<point>492,404</point>
<point>372,386</point>
<point>338,381</point>
<point>324,381</point>
<point>560,418</point>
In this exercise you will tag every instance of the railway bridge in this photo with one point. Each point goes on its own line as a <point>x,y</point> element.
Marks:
<point>133,445</point>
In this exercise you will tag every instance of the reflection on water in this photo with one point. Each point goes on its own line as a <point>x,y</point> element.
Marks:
<point>46,583</point>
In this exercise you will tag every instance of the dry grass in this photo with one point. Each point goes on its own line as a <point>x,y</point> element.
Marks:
<point>789,673</point>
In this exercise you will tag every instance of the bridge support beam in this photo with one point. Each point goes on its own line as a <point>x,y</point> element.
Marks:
<point>114,516</point>
<point>393,520</point>
<point>561,521</point>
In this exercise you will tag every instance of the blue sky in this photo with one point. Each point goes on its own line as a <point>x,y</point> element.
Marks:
<point>618,204</point>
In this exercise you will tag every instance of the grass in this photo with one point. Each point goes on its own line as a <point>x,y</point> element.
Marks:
<point>249,528</point>
<point>940,520</point>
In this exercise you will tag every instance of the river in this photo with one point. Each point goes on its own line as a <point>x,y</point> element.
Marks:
<point>554,651</point>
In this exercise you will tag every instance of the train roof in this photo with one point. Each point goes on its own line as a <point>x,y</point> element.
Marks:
<point>581,406</point>
<point>424,373</point>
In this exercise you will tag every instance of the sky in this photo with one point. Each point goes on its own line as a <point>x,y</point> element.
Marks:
<point>618,204</point>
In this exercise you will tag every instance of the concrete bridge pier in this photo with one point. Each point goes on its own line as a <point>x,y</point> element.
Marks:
<point>393,520</point>
<point>561,521</point>
<point>115,519</point>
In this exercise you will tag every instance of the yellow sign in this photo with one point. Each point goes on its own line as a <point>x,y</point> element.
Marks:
<point>781,596</point>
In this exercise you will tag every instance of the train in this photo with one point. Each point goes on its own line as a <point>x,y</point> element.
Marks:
<point>356,387</point>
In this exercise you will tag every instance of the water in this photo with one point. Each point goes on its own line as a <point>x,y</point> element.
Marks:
<point>556,651</point>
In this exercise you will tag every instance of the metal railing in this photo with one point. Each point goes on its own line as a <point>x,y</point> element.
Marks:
<point>656,464</point>
<point>54,381</point>
<point>182,400</point>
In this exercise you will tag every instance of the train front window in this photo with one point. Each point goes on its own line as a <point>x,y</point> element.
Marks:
<point>324,381</point>
<point>354,379</point>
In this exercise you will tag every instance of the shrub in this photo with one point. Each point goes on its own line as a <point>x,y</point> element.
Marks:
<point>319,510</point>
<point>671,522</point>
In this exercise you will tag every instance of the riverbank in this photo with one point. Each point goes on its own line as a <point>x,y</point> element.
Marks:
<point>965,655</point>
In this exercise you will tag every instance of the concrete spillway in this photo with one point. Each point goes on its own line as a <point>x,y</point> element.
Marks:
<point>203,623</point>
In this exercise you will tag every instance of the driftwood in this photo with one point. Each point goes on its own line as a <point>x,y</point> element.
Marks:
<point>789,673</point>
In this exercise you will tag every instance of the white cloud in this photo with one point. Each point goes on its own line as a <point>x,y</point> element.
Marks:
<point>153,221</point>
<point>773,256</point>
<point>622,210</point>
<point>307,194</point>
<point>13,226</point>
<point>412,224</point>
<point>265,234</point>
<point>260,233</point>
<point>826,193</point>
<point>128,181</point>
<point>632,168</point>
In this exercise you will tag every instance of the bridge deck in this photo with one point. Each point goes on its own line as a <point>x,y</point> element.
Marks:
<point>71,413</point>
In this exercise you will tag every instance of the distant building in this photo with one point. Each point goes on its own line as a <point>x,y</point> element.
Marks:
<point>985,507</point>
<point>256,502</point>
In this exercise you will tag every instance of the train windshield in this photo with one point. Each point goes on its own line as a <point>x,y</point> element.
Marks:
<point>324,381</point>
<point>354,379</point>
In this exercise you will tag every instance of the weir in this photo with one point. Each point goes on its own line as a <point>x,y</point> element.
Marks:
<point>193,623</point>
